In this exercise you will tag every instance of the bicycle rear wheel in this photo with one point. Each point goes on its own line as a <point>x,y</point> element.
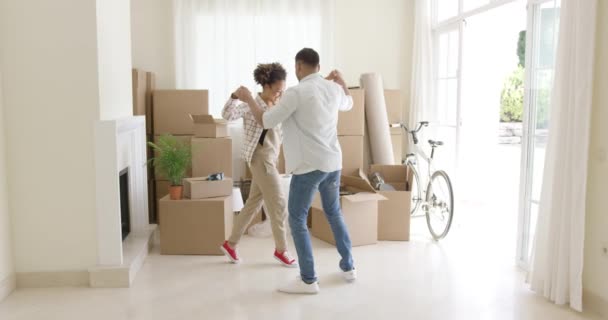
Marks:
<point>415,189</point>
<point>439,205</point>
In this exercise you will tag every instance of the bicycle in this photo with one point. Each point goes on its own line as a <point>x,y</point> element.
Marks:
<point>438,201</point>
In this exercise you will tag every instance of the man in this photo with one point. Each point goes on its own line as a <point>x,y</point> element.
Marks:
<point>309,113</point>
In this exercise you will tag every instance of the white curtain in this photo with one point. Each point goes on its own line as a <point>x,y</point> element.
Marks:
<point>422,101</point>
<point>557,258</point>
<point>220,42</point>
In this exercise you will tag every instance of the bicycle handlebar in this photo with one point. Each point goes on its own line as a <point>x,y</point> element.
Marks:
<point>412,132</point>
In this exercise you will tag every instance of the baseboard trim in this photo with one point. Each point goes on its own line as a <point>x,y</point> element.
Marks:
<point>135,251</point>
<point>52,279</point>
<point>7,286</point>
<point>595,304</point>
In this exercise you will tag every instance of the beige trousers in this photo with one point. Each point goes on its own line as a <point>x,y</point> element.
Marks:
<point>265,188</point>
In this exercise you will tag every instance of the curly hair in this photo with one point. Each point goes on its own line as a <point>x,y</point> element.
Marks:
<point>269,73</point>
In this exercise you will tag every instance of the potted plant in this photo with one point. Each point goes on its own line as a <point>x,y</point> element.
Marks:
<point>173,158</point>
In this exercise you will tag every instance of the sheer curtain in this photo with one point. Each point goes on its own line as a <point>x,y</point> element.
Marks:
<point>422,101</point>
<point>557,261</point>
<point>220,42</point>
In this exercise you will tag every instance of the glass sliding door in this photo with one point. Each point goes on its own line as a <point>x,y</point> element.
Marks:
<point>448,41</point>
<point>541,43</point>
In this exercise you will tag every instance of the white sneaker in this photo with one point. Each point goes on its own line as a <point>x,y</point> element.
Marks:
<point>350,276</point>
<point>300,287</point>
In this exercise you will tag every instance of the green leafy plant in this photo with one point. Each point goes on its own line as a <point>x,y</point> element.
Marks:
<point>512,97</point>
<point>173,159</point>
<point>521,48</point>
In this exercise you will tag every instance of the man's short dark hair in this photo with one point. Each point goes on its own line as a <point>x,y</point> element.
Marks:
<point>309,57</point>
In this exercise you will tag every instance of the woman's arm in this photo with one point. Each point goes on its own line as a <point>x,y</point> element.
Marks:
<point>233,110</point>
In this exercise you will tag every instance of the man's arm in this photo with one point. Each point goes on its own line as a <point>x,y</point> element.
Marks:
<point>277,114</point>
<point>346,100</point>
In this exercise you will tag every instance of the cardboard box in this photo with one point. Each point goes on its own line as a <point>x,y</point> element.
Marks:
<point>152,201</point>
<point>211,155</point>
<point>162,188</point>
<point>189,227</point>
<point>397,141</point>
<point>352,123</point>
<point>352,152</point>
<point>394,107</point>
<point>207,127</point>
<point>184,139</point>
<point>139,92</point>
<point>172,110</point>
<point>150,155</point>
<point>360,211</point>
<point>150,88</point>
<point>201,188</point>
<point>394,213</point>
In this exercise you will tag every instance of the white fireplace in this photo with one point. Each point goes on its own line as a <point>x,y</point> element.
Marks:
<point>120,145</point>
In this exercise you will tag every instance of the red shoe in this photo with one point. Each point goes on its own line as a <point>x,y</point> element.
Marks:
<point>285,259</point>
<point>230,253</point>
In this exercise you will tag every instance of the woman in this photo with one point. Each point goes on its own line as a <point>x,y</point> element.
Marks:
<point>261,152</point>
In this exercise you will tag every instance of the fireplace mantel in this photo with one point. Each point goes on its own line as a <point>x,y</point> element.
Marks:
<point>120,144</point>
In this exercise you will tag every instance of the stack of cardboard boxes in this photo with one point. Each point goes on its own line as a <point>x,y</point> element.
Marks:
<point>351,132</point>
<point>370,215</point>
<point>171,112</point>
<point>200,222</point>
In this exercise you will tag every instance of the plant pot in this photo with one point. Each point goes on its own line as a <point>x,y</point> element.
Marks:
<point>175,192</point>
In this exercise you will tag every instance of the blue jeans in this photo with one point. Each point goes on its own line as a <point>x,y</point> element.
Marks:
<point>302,190</point>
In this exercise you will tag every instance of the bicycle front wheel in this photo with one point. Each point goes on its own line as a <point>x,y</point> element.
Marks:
<point>439,205</point>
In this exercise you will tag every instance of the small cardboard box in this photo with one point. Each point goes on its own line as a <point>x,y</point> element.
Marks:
<point>150,87</point>
<point>352,152</point>
<point>194,227</point>
<point>394,213</point>
<point>207,127</point>
<point>184,139</point>
<point>139,92</point>
<point>201,188</point>
<point>352,123</point>
<point>360,211</point>
<point>172,110</point>
<point>211,155</point>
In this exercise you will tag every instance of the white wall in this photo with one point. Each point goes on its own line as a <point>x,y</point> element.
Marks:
<point>7,267</point>
<point>596,264</point>
<point>51,100</point>
<point>152,39</point>
<point>114,56</point>
<point>376,36</point>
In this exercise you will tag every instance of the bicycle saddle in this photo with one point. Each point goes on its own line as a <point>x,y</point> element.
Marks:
<point>434,143</point>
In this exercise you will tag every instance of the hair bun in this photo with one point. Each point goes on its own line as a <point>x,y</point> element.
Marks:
<point>269,73</point>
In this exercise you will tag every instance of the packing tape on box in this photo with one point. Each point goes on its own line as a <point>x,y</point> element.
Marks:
<point>377,119</point>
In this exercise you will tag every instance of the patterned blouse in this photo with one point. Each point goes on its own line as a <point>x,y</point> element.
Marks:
<point>234,110</point>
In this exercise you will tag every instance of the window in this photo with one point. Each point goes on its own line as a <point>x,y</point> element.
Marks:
<point>218,45</point>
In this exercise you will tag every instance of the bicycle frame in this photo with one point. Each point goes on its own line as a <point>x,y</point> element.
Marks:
<point>417,151</point>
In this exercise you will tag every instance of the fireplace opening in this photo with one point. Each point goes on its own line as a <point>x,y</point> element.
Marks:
<point>125,214</point>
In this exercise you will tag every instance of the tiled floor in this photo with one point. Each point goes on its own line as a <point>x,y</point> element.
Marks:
<point>469,275</point>
<point>416,280</point>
